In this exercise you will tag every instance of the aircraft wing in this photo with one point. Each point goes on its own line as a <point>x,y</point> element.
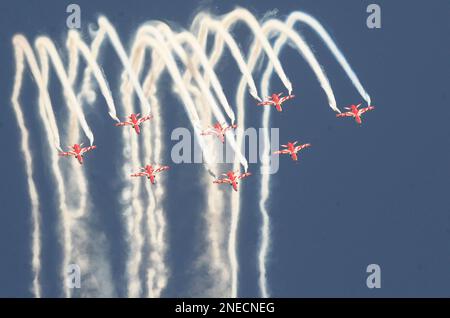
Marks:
<point>266,103</point>
<point>124,123</point>
<point>347,114</point>
<point>139,174</point>
<point>298,148</point>
<point>244,175</point>
<point>144,118</point>
<point>208,131</point>
<point>66,154</point>
<point>220,181</point>
<point>86,149</point>
<point>363,110</point>
<point>285,98</point>
<point>279,152</point>
<point>229,127</point>
<point>159,169</point>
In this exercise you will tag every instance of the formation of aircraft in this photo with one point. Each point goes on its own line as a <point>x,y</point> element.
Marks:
<point>292,149</point>
<point>218,130</point>
<point>149,172</point>
<point>77,151</point>
<point>355,112</point>
<point>232,178</point>
<point>135,122</point>
<point>276,100</point>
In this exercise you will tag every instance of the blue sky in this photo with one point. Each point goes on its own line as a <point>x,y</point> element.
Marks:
<point>361,195</point>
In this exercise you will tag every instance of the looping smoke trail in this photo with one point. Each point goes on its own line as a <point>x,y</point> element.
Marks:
<point>74,43</point>
<point>109,29</point>
<point>235,51</point>
<point>23,50</point>
<point>46,50</point>
<point>202,23</point>
<point>306,52</point>
<point>298,16</point>
<point>205,90</point>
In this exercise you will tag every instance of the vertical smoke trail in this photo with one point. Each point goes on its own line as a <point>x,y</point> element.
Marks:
<point>157,275</point>
<point>229,20</point>
<point>164,52</point>
<point>133,223</point>
<point>265,181</point>
<point>89,254</point>
<point>215,202</point>
<point>265,229</point>
<point>326,38</point>
<point>218,267</point>
<point>46,51</point>
<point>136,240</point>
<point>34,197</point>
<point>22,49</point>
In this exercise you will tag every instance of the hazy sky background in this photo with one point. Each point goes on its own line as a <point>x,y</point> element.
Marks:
<point>378,193</point>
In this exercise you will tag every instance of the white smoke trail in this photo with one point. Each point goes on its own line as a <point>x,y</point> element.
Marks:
<point>159,46</point>
<point>190,50</point>
<point>32,191</point>
<point>227,22</point>
<point>218,267</point>
<point>265,82</point>
<point>298,16</point>
<point>157,275</point>
<point>46,51</point>
<point>22,51</point>
<point>265,181</point>
<point>136,239</point>
<point>133,219</point>
<point>76,44</point>
<point>129,202</point>
<point>185,37</point>
<point>202,24</point>
<point>212,77</point>
<point>89,254</point>
<point>109,29</point>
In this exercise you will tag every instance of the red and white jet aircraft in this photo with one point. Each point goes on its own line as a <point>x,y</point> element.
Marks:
<point>276,100</point>
<point>78,152</point>
<point>218,130</point>
<point>135,121</point>
<point>292,149</point>
<point>149,172</point>
<point>354,112</point>
<point>231,178</point>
